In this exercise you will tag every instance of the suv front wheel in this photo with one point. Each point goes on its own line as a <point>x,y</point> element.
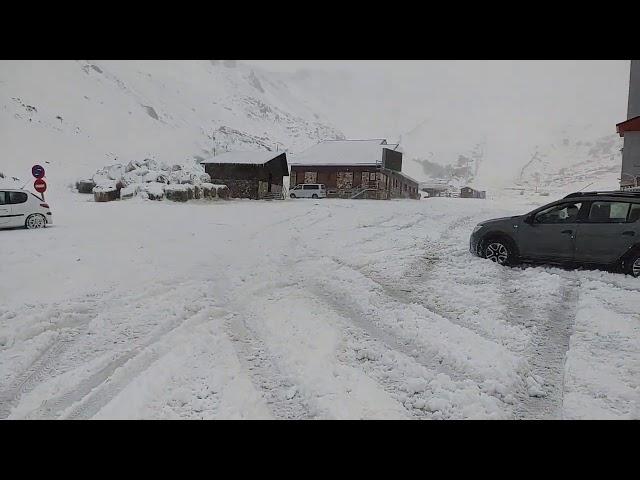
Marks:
<point>498,250</point>
<point>632,267</point>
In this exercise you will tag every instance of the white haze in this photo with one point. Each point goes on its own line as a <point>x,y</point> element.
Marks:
<point>441,109</point>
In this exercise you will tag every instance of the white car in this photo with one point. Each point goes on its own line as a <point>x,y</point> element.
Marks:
<point>308,190</point>
<point>20,208</point>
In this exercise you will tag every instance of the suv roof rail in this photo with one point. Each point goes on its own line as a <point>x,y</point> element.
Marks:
<point>615,193</point>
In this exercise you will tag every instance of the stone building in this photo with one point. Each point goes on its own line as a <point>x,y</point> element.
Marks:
<point>255,175</point>
<point>355,169</point>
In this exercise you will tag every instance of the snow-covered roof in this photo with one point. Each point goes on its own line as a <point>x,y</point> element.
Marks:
<point>243,158</point>
<point>407,177</point>
<point>343,152</point>
<point>473,186</point>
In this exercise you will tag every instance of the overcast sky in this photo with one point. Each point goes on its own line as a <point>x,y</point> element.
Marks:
<point>515,105</point>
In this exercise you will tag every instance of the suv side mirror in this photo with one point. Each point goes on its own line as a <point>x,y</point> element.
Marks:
<point>529,219</point>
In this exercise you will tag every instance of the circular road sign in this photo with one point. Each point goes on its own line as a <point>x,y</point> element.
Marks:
<point>37,171</point>
<point>40,185</point>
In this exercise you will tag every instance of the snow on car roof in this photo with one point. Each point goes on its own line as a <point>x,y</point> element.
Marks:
<point>243,157</point>
<point>343,152</point>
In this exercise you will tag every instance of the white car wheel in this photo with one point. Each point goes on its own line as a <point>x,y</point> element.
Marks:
<point>35,221</point>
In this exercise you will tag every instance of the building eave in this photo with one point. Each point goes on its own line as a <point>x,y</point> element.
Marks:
<point>630,125</point>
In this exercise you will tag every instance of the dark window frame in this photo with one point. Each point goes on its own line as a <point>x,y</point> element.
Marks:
<point>587,216</point>
<point>636,205</point>
<point>579,218</point>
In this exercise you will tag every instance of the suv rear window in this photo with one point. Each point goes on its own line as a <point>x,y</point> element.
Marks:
<point>609,212</point>
<point>17,197</point>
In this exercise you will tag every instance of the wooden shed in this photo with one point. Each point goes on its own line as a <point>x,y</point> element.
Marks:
<point>468,192</point>
<point>256,175</point>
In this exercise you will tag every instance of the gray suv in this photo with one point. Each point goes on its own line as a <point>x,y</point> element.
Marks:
<point>584,228</point>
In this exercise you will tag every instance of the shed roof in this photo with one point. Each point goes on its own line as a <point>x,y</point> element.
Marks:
<point>407,177</point>
<point>244,157</point>
<point>344,152</point>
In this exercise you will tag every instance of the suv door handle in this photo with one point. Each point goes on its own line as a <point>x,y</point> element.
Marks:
<point>567,232</point>
<point>629,233</point>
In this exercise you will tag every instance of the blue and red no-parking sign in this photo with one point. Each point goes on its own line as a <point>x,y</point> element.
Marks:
<point>37,171</point>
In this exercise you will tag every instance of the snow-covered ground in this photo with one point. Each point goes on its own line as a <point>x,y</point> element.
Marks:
<point>303,309</point>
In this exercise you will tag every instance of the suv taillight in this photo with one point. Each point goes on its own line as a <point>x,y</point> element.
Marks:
<point>45,205</point>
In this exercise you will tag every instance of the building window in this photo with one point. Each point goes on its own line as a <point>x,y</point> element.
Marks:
<point>310,177</point>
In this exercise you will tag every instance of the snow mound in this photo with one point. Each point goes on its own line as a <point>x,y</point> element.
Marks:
<point>150,179</point>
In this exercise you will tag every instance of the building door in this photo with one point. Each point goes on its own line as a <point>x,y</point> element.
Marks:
<point>365,179</point>
<point>345,180</point>
<point>270,180</point>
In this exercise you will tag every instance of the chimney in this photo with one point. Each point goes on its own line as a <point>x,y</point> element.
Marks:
<point>633,107</point>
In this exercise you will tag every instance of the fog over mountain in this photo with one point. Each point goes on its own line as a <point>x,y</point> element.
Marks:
<point>483,121</point>
<point>440,110</point>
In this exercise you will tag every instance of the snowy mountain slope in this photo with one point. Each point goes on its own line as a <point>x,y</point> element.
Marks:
<point>81,115</point>
<point>574,161</point>
<point>76,116</point>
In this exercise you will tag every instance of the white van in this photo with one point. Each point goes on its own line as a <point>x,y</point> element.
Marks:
<point>308,190</point>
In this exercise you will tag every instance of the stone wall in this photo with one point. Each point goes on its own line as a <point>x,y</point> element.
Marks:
<point>240,188</point>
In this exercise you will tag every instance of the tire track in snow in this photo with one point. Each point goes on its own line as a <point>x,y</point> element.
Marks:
<point>278,391</point>
<point>99,389</point>
<point>542,393</point>
<point>403,288</point>
<point>48,364</point>
<point>374,329</point>
<point>44,365</point>
<point>420,390</point>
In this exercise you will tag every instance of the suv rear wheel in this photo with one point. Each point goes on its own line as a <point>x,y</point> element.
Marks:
<point>498,250</point>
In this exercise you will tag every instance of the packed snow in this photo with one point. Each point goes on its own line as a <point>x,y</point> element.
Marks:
<point>303,309</point>
<point>283,309</point>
